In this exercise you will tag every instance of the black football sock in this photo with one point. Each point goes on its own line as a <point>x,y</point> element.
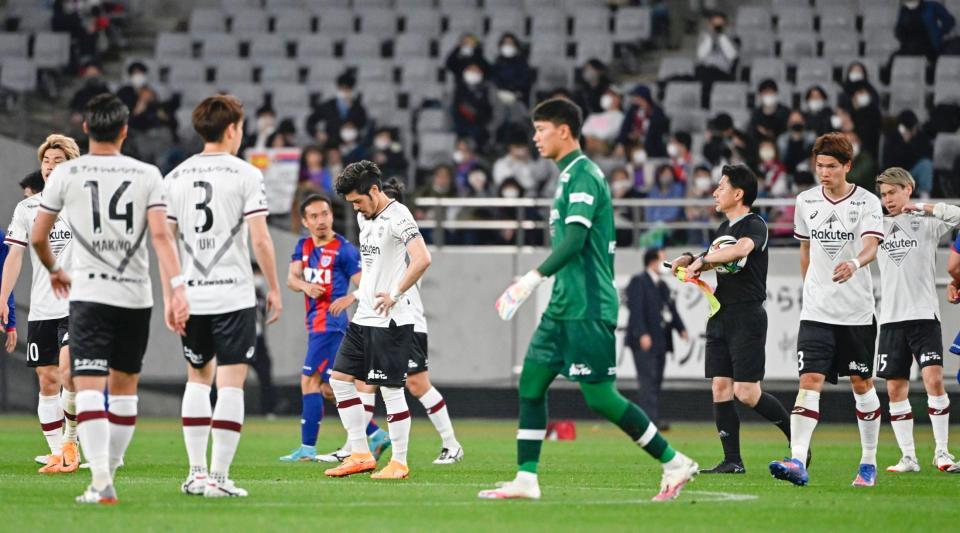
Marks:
<point>728,427</point>
<point>770,408</point>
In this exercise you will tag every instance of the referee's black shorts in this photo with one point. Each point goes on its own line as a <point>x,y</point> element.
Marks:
<point>736,342</point>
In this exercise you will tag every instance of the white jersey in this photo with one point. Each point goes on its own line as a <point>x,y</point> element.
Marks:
<point>44,305</point>
<point>383,249</point>
<point>835,231</point>
<point>106,198</point>
<point>416,305</point>
<point>908,264</point>
<point>211,197</point>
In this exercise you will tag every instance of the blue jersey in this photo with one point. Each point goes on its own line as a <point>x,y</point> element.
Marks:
<point>13,314</point>
<point>956,244</point>
<point>331,266</point>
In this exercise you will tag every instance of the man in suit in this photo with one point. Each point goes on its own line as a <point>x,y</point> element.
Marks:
<point>653,318</point>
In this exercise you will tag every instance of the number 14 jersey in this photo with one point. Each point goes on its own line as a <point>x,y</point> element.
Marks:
<point>211,197</point>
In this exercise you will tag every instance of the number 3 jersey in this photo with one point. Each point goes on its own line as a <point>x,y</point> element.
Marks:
<point>835,230</point>
<point>106,199</point>
<point>210,197</point>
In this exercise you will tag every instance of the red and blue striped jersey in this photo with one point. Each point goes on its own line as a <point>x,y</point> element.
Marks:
<point>331,266</point>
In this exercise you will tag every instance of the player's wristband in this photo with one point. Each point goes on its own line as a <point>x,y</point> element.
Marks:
<point>56,267</point>
<point>356,294</point>
<point>176,281</point>
<point>921,207</point>
<point>856,263</point>
<point>396,295</point>
<point>690,255</point>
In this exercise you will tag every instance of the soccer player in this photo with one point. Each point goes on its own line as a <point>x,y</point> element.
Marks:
<point>48,320</point>
<point>840,227</point>
<point>736,353</point>
<point>213,198</point>
<point>322,267</point>
<point>910,314</point>
<point>575,337</point>
<point>112,202</point>
<point>379,342</point>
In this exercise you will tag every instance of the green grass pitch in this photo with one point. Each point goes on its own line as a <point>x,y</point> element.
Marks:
<point>600,482</point>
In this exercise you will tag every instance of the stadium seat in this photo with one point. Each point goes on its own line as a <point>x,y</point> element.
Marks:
<point>879,47</point>
<point>373,70</point>
<point>946,93</point>
<point>843,43</point>
<point>424,22</point>
<point>184,71</point>
<point>812,71</point>
<point>866,6</point>
<point>946,149</point>
<point>336,22</point>
<point>192,94</point>
<point>879,19</point>
<point>378,98</point>
<point>682,95</point>
<point>460,21</point>
<point>229,6</point>
<point>14,45</point>
<point>18,74</point>
<point>289,95</point>
<point>508,20</point>
<point>311,46</point>
<point>600,47</point>
<point>406,5</point>
<point>548,22</point>
<point>51,50</point>
<point>435,148</point>
<point>204,20</point>
<point>456,4</point>
<point>273,71</point>
<point>291,22</point>
<point>632,24</point>
<point>425,92</point>
<point>534,6</point>
<point>218,45</point>
<point>323,71</point>
<point>493,5</point>
<point>908,69</point>
<point>173,46</point>
<point>379,21</point>
<point>553,73</point>
<point>794,18</point>
<point>361,45</point>
<point>547,48</point>
<point>725,95</point>
<point>432,120</point>
<point>590,20</point>
<point>753,18</point>
<point>33,20</point>
<point>274,5</point>
<point>251,94</point>
<point>767,68</point>
<point>948,70</point>
<point>688,120</point>
<point>905,96</point>
<point>248,22</point>
<point>797,44</point>
<point>418,70</point>
<point>674,66</point>
<point>741,117</point>
<point>412,45</point>
<point>365,6</point>
<point>229,71</point>
<point>184,116</point>
<point>268,46</point>
<point>836,18</point>
<point>754,44</point>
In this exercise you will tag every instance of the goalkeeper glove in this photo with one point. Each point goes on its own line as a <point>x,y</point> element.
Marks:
<point>517,293</point>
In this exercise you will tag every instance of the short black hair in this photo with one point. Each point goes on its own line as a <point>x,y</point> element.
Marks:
<point>347,79</point>
<point>137,65</point>
<point>359,177</point>
<point>34,181</point>
<point>650,256</point>
<point>741,177</point>
<point>313,198</point>
<point>683,138</point>
<point>105,115</point>
<point>561,112</point>
<point>393,188</point>
<point>767,84</point>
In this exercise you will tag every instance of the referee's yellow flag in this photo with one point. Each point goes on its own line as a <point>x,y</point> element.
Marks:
<point>704,287</point>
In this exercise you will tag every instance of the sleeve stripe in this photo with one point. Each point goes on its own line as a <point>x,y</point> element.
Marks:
<point>156,206</point>
<point>801,237</point>
<point>876,234</point>
<point>579,220</point>
<point>49,209</point>
<point>255,212</point>
<point>9,240</point>
<point>171,217</point>
<point>581,197</point>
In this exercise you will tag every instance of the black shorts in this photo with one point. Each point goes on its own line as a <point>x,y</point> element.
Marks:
<point>736,343</point>
<point>902,342</point>
<point>104,337</point>
<point>378,356</point>
<point>834,350</point>
<point>419,361</point>
<point>230,337</point>
<point>44,340</point>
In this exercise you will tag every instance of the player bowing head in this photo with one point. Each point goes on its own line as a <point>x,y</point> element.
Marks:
<point>361,185</point>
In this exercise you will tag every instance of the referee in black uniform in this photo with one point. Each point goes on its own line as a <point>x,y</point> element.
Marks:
<point>737,334</point>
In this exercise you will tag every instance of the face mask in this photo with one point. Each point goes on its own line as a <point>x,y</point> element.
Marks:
<point>477,181</point>
<point>264,124</point>
<point>508,50</point>
<point>911,5</point>
<point>510,192</point>
<point>348,134</point>
<point>767,154</point>
<point>381,143</point>
<point>459,157</point>
<point>904,131</point>
<point>466,50</point>
<point>606,102</point>
<point>855,76</point>
<point>590,76</point>
<point>863,99</point>
<point>620,186</point>
<point>836,122</point>
<point>639,157</point>
<point>856,149</point>
<point>138,80</point>
<point>702,183</point>
<point>769,100</point>
<point>797,127</point>
<point>815,105</point>
<point>472,77</point>
<point>672,150</point>
<point>344,96</point>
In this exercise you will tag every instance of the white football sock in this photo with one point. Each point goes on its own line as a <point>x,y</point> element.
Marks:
<point>94,431</point>
<point>938,407</point>
<point>868,420</point>
<point>225,428</point>
<point>803,420</point>
<point>398,422</point>
<point>123,420</point>
<point>901,419</point>
<point>51,422</point>
<point>68,402</point>
<point>351,411</point>
<point>196,414</point>
<point>369,400</point>
<point>437,411</point>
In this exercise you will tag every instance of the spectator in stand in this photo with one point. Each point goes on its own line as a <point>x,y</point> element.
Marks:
<point>716,54</point>
<point>473,105</point>
<point>285,136</point>
<point>667,187</point>
<point>510,189</point>
<point>478,186</point>
<point>854,78</point>
<point>818,110</point>
<point>518,163</point>
<point>678,149</point>
<point>91,84</point>
<point>334,158</point>
<point>774,181</point>
<point>148,112</point>
<point>621,187</point>
<point>866,116</point>
<point>511,70</point>
<point>863,167</point>
<point>593,82</point>
<point>469,51</point>
<point>783,216</point>
<point>644,124</point>
<point>137,78</point>
<point>910,148</point>
<point>600,129</point>
<point>440,186</point>
<point>67,19</point>
<point>465,160</point>
<point>794,144</point>
<point>717,146</point>
<point>769,116</point>
<point>921,27</point>
<point>351,145</point>
<point>700,187</point>
<point>264,126</point>
<point>314,175</point>
<point>387,153</point>
<point>337,111</point>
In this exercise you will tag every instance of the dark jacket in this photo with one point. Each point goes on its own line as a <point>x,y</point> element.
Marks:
<point>657,129</point>
<point>936,20</point>
<point>646,302</point>
<point>513,74</point>
<point>329,114</point>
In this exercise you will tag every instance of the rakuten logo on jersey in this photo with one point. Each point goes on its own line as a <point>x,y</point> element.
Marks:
<point>832,235</point>
<point>898,243</point>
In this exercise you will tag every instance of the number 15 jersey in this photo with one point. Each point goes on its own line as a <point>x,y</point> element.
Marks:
<point>106,199</point>
<point>211,197</point>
